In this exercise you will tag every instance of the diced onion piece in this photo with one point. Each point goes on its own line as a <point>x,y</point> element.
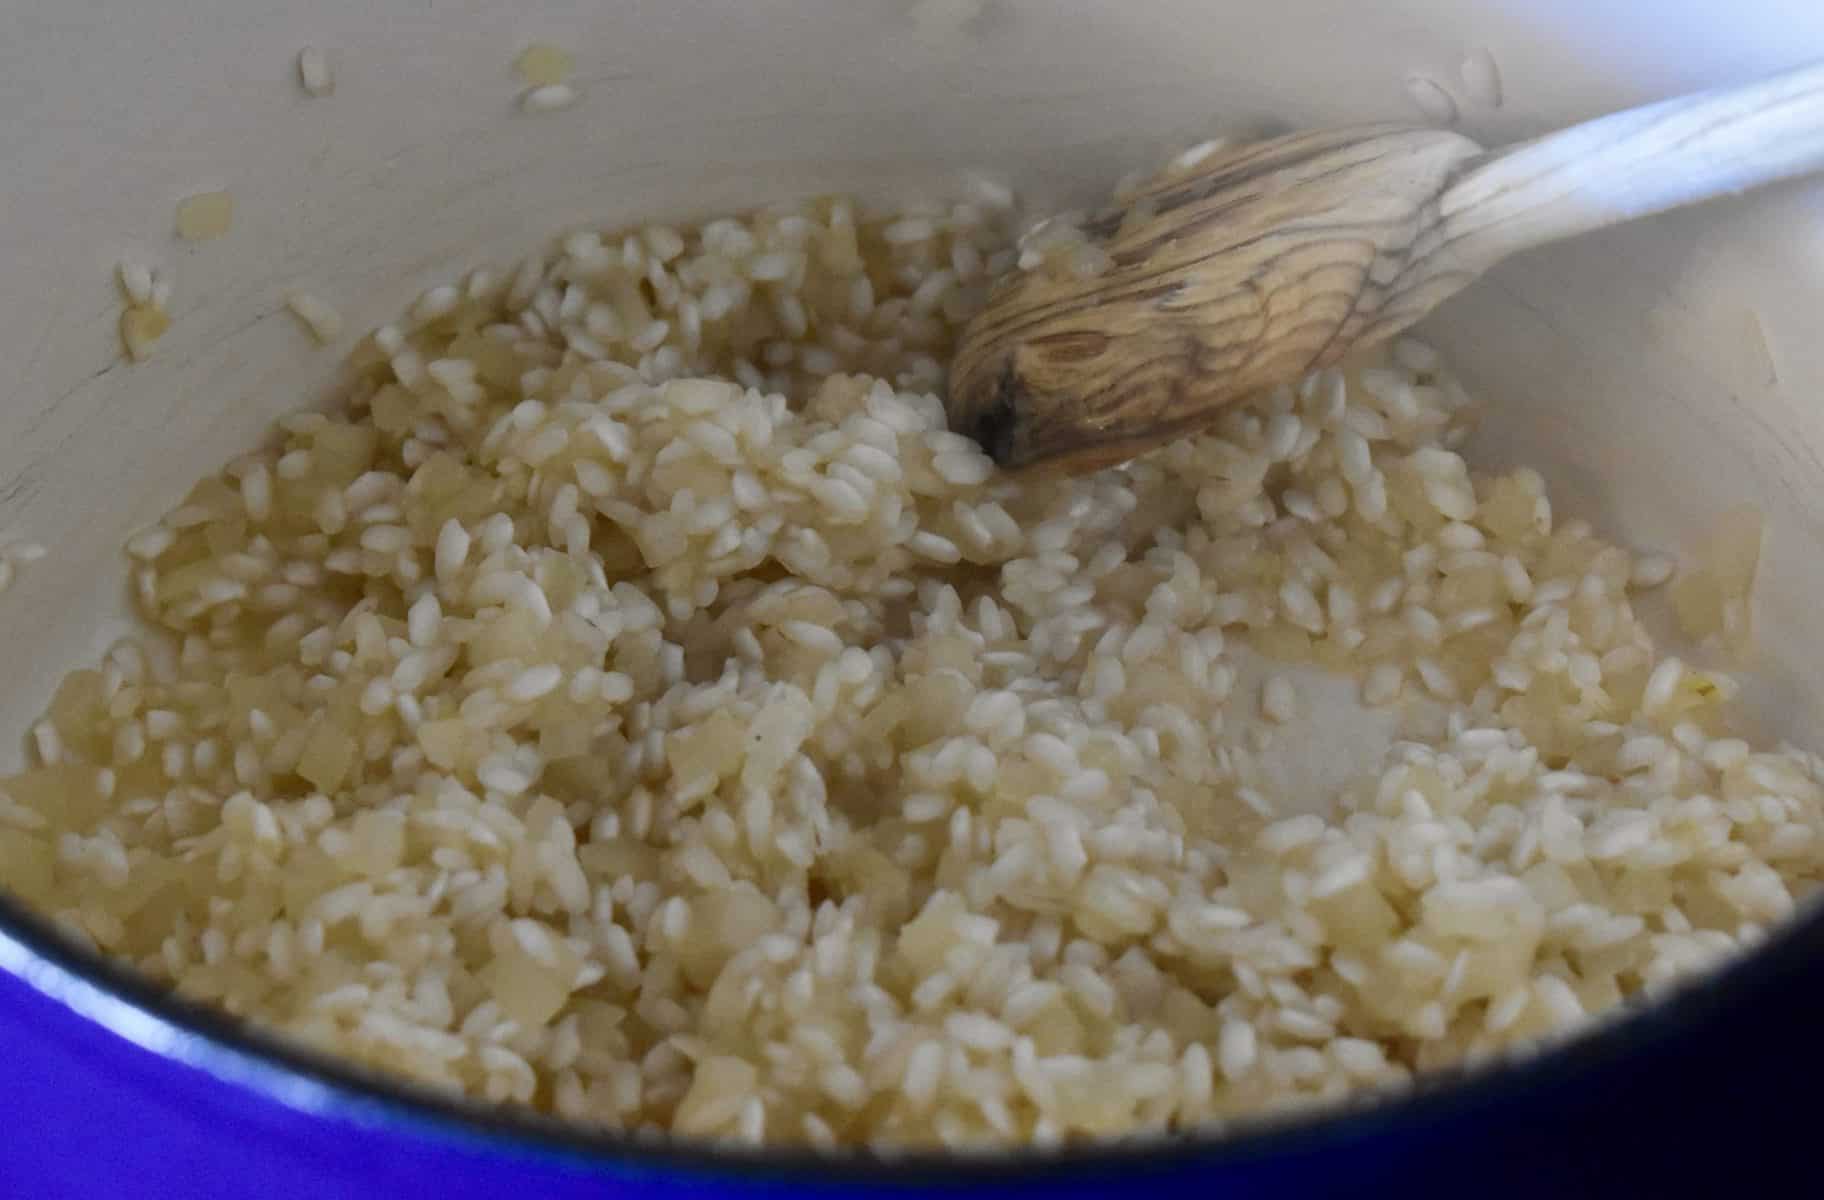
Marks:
<point>205,215</point>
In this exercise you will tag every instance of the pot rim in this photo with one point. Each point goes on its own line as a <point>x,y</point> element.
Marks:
<point>239,1055</point>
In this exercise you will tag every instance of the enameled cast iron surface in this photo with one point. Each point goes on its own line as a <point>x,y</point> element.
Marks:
<point>111,1089</point>
<point>1657,375</point>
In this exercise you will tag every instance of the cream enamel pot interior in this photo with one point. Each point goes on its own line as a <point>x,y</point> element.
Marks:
<point>1656,374</point>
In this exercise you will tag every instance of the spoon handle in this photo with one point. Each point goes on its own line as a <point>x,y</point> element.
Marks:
<point>1633,164</point>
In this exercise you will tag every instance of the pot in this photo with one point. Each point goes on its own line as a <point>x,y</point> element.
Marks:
<point>1656,375</point>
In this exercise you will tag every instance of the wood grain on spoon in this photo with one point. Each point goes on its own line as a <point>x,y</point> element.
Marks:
<point>1274,259</point>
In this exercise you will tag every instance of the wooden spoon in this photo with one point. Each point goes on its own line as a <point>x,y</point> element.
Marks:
<point>1270,260</point>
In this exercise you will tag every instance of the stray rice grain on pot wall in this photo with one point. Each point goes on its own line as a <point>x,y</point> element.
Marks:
<point>638,706</point>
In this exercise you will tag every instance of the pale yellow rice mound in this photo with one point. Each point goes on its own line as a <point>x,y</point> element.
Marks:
<point>635,705</point>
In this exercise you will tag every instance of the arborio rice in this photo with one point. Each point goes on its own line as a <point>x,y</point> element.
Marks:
<point>636,705</point>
